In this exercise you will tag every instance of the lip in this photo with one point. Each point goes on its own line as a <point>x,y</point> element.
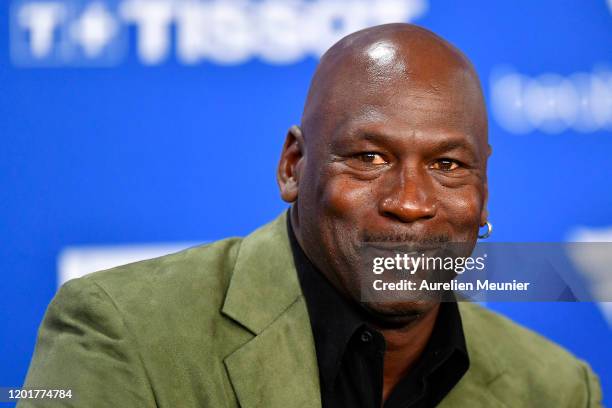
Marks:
<point>409,248</point>
<point>402,249</point>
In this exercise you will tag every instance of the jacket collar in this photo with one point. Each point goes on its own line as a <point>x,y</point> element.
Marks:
<point>264,283</point>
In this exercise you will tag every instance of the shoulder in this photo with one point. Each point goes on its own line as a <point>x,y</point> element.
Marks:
<point>502,334</point>
<point>201,271</point>
<point>167,306</point>
<point>526,361</point>
<point>144,322</point>
<point>154,298</point>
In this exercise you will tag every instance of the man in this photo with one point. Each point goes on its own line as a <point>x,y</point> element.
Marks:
<point>392,148</point>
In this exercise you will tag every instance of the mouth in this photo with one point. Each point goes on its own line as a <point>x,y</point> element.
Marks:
<point>409,240</point>
<point>411,249</point>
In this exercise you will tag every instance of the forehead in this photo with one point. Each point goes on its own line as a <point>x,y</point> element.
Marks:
<point>409,113</point>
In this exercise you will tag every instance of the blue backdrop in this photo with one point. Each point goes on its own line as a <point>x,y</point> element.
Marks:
<point>126,122</point>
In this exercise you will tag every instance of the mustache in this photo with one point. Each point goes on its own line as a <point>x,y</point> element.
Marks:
<point>405,238</point>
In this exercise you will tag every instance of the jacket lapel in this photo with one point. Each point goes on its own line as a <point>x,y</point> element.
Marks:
<point>277,367</point>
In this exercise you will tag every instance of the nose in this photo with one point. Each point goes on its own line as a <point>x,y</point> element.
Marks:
<point>410,197</point>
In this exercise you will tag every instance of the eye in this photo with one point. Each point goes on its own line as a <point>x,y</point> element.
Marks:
<point>446,165</point>
<point>370,158</point>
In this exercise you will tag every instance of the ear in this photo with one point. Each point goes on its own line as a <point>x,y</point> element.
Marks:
<point>290,164</point>
<point>484,213</point>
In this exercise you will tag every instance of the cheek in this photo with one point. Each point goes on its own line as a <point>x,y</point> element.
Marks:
<point>344,207</point>
<point>345,198</point>
<point>462,208</point>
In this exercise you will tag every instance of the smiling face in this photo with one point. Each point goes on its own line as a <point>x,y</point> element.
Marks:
<point>392,148</point>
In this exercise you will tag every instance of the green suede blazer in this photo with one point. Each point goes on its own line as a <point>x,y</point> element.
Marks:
<point>226,325</point>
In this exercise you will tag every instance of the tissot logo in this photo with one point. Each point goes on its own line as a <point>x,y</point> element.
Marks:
<point>64,33</point>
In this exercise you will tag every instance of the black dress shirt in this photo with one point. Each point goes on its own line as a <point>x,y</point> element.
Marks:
<point>350,353</point>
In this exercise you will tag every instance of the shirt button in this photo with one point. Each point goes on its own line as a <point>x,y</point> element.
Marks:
<point>366,336</point>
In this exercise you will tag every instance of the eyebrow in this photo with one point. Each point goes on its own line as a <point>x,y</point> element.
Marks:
<point>452,143</point>
<point>447,145</point>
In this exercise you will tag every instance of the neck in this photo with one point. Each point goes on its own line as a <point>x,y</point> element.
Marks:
<point>404,346</point>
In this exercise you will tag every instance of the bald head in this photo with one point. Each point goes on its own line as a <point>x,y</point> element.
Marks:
<point>384,64</point>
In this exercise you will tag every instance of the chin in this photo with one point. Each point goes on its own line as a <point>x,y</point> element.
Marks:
<point>397,313</point>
